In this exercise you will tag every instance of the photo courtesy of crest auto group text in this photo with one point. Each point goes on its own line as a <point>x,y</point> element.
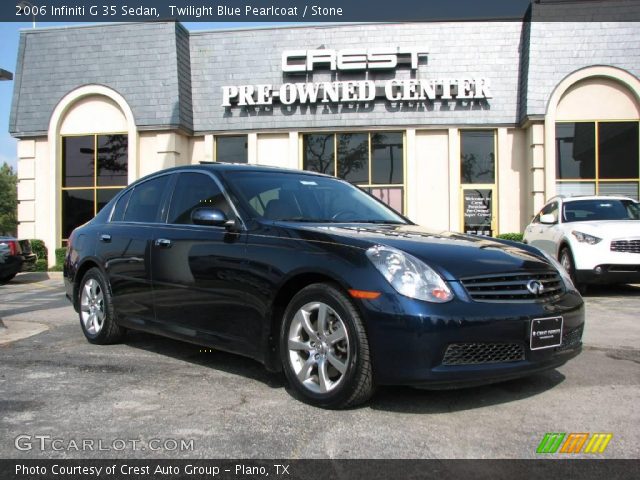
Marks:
<point>311,240</point>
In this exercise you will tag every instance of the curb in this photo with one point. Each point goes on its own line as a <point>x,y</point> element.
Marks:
<point>20,330</point>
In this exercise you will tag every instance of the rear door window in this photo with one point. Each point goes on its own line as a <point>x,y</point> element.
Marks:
<point>121,206</point>
<point>145,204</point>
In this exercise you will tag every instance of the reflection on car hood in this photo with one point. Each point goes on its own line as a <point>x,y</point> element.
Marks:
<point>607,228</point>
<point>455,255</point>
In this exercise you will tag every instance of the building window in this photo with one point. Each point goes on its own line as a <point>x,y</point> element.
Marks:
<point>372,160</point>
<point>232,149</point>
<point>94,170</point>
<point>598,158</point>
<point>477,157</point>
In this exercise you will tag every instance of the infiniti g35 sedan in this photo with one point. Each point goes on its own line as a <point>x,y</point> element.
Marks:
<point>312,276</point>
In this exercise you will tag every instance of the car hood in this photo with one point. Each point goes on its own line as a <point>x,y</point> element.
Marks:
<point>607,228</point>
<point>454,255</point>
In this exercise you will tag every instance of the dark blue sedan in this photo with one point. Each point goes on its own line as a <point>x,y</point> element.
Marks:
<point>309,274</point>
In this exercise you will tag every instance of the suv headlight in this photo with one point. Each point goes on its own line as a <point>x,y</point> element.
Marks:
<point>566,278</point>
<point>585,238</point>
<point>408,275</point>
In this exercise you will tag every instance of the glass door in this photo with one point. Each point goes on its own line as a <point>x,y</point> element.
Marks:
<point>478,182</point>
<point>478,216</point>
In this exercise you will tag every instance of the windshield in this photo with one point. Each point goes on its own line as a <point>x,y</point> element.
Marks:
<point>605,209</point>
<point>307,198</point>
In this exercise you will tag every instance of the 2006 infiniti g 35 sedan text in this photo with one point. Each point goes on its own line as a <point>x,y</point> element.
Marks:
<point>309,274</point>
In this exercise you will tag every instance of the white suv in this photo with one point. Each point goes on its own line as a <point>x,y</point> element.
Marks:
<point>595,238</point>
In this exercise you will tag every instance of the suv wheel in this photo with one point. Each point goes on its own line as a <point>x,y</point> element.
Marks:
<point>96,310</point>
<point>566,260</point>
<point>324,348</point>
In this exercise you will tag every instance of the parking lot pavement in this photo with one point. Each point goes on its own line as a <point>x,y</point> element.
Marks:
<point>56,384</point>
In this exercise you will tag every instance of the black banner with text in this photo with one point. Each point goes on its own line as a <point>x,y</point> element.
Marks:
<point>316,11</point>
<point>584,469</point>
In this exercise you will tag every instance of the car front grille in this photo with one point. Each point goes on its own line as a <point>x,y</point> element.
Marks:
<point>571,338</point>
<point>480,353</point>
<point>627,246</point>
<point>512,287</point>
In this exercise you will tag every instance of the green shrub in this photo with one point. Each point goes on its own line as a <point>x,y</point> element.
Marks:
<point>60,254</point>
<point>515,237</point>
<point>41,265</point>
<point>38,247</point>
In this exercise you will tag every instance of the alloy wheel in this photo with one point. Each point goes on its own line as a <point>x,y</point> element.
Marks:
<point>318,344</point>
<point>92,306</point>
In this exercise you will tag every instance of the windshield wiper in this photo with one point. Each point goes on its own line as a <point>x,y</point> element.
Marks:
<point>305,220</point>
<point>377,222</point>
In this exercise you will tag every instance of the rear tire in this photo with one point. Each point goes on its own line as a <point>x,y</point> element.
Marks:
<point>324,348</point>
<point>97,316</point>
<point>566,260</point>
<point>8,278</point>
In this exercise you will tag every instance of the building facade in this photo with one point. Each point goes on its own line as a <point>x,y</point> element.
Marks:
<point>464,126</point>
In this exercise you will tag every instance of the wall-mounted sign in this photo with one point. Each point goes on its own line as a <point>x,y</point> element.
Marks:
<point>467,88</point>
<point>478,211</point>
<point>297,61</point>
<point>357,91</point>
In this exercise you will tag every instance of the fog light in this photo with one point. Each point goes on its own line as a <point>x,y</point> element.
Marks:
<point>598,270</point>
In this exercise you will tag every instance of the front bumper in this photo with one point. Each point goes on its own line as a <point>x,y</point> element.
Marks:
<point>18,263</point>
<point>409,339</point>
<point>608,274</point>
<point>28,262</point>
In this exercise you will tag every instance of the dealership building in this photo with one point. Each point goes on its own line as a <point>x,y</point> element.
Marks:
<point>460,125</point>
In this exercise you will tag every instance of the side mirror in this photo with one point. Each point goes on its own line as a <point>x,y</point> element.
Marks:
<point>548,219</point>
<point>208,216</point>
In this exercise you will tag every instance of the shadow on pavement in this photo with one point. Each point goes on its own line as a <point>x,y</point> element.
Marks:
<point>30,277</point>
<point>393,399</point>
<point>413,400</point>
<point>612,291</point>
<point>215,359</point>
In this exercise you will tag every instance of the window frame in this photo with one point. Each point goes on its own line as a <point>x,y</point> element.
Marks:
<point>94,187</point>
<point>168,196</point>
<point>596,181</point>
<point>366,187</point>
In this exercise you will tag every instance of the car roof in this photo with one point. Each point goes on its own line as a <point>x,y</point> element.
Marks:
<point>596,197</point>
<point>233,167</point>
<point>575,198</point>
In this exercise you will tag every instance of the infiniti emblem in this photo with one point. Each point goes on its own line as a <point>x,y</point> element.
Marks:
<point>535,287</point>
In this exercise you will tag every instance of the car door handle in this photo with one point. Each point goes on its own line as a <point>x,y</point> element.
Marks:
<point>163,242</point>
<point>105,237</point>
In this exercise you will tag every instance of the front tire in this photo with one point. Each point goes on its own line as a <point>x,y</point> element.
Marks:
<point>97,316</point>
<point>324,348</point>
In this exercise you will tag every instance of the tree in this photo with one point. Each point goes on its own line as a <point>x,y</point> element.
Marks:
<point>8,200</point>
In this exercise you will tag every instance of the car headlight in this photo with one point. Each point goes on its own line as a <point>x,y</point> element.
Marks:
<point>585,238</point>
<point>408,275</point>
<point>566,278</point>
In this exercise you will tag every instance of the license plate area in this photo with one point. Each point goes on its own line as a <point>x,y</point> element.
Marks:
<point>546,333</point>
